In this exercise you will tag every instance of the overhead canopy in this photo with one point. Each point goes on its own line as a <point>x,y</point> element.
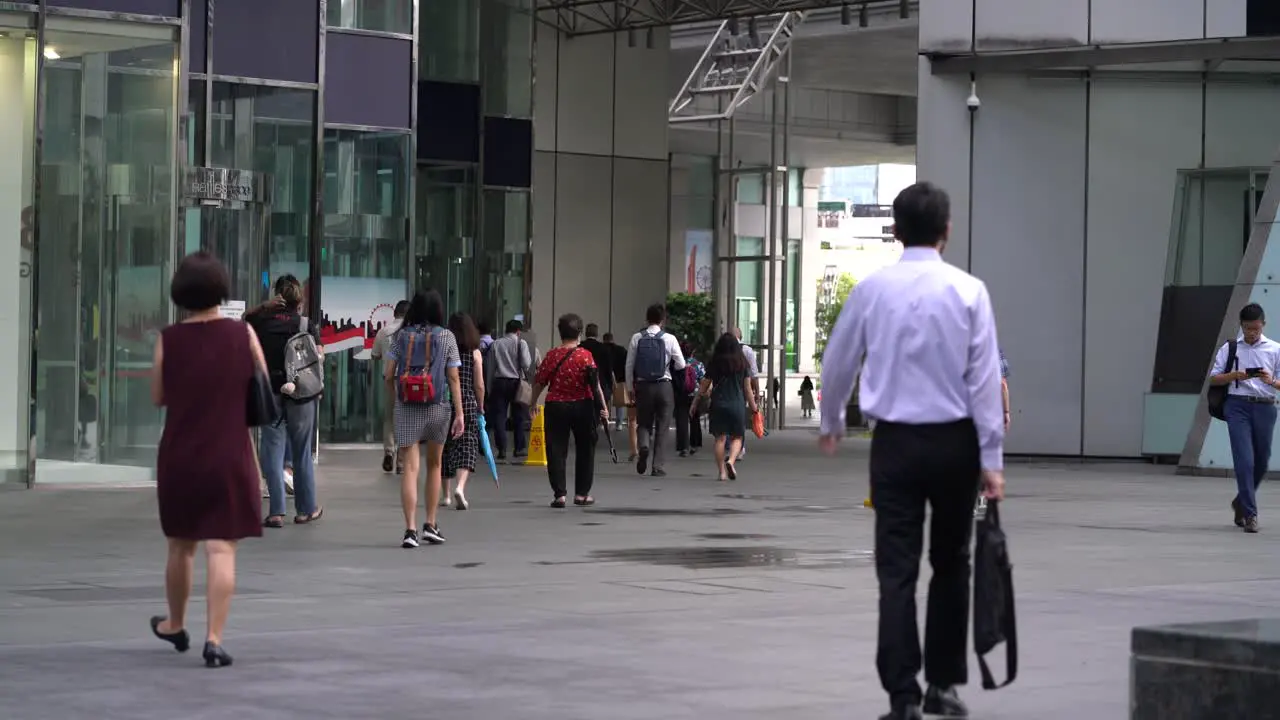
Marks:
<point>591,17</point>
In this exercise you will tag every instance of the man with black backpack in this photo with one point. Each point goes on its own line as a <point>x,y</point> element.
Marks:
<point>653,356</point>
<point>1248,367</point>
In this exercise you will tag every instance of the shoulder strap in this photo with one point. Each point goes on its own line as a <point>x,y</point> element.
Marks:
<point>302,324</point>
<point>1233,361</point>
<point>563,360</point>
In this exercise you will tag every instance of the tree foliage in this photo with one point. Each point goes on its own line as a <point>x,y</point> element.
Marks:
<point>691,317</point>
<point>826,314</point>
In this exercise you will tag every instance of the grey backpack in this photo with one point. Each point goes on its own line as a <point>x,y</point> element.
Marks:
<point>303,365</point>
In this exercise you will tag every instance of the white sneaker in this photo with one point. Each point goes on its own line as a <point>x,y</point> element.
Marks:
<point>288,482</point>
<point>445,501</point>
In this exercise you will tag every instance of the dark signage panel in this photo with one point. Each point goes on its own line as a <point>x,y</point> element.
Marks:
<point>1263,17</point>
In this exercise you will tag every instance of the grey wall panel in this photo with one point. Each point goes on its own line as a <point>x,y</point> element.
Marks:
<point>1020,24</point>
<point>942,152</point>
<point>1127,21</point>
<point>1242,124</point>
<point>584,200</point>
<point>544,242</point>
<point>1028,230</point>
<point>1134,156</point>
<point>199,24</point>
<point>168,8</point>
<point>584,106</point>
<point>1225,18</point>
<point>545,87</point>
<point>273,40</point>
<point>355,96</point>
<point>946,26</point>
<point>640,109</point>
<point>640,240</point>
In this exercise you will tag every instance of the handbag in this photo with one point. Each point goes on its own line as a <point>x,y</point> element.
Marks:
<point>524,396</point>
<point>994,618</point>
<point>262,408</point>
<point>1217,395</point>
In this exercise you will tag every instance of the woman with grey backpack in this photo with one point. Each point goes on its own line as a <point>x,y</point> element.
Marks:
<point>295,366</point>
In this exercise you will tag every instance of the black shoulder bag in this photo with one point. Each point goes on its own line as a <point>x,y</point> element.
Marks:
<point>994,618</point>
<point>1217,395</point>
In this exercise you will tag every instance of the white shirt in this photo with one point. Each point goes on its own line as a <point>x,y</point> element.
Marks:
<point>1264,354</point>
<point>673,352</point>
<point>929,339</point>
<point>383,338</point>
<point>749,353</point>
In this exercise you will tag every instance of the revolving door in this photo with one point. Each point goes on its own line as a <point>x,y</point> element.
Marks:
<point>233,212</point>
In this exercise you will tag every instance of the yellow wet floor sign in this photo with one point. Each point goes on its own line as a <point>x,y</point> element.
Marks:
<point>537,441</point>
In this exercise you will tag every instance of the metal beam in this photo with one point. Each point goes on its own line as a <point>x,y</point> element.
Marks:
<point>592,17</point>
<point>1091,56</point>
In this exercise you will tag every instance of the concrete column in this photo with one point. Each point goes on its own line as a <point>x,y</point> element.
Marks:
<point>601,192</point>
<point>17,131</point>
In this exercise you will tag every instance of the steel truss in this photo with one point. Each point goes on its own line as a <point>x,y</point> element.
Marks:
<point>592,17</point>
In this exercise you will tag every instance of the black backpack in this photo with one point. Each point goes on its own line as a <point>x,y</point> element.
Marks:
<point>1217,396</point>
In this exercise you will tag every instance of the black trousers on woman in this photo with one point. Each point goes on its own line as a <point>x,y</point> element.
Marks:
<point>577,420</point>
<point>683,422</point>
<point>914,466</point>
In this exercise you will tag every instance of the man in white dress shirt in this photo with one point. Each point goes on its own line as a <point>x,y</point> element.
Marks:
<point>1250,408</point>
<point>923,334</point>
<point>653,355</point>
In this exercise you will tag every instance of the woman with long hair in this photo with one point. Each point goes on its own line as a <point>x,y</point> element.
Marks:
<point>423,360</point>
<point>289,442</point>
<point>206,479</point>
<point>575,405</point>
<point>728,387</point>
<point>460,452</point>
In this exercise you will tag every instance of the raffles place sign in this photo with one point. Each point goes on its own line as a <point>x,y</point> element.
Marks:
<point>224,185</point>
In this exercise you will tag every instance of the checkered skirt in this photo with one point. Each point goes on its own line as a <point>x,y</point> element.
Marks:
<point>461,453</point>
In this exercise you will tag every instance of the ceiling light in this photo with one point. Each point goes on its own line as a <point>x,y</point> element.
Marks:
<point>51,53</point>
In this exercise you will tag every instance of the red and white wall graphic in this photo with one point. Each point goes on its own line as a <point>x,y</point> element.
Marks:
<point>355,309</point>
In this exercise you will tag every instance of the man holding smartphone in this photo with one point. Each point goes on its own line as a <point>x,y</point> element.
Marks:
<point>1250,408</point>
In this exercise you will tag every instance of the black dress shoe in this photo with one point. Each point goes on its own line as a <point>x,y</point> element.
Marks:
<point>910,712</point>
<point>180,640</point>
<point>944,702</point>
<point>215,656</point>
<point>1235,508</point>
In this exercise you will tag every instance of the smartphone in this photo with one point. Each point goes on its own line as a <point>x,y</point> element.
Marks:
<point>1253,372</point>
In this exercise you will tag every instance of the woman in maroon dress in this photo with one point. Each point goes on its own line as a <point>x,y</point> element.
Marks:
<point>206,477</point>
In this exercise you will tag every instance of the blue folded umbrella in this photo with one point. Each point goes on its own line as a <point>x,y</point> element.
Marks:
<point>487,448</point>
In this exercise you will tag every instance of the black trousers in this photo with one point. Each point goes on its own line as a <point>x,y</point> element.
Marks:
<point>655,404</point>
<point>911,466</point>
<point>683,422</point>
<point>501,402</point>
<point>579,420</point>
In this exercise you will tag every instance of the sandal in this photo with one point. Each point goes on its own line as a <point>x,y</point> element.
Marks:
<point>273,521</point>
<point>558,503</point>
<point>584,501</point>
<point>304,519</point>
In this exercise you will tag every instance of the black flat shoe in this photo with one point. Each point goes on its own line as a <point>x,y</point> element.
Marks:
<point>906,713</point>
<point>731,471</point>
<point>557,503</point>
<point>215,656</point>
<point>180,640</point>
<point>944,702</point>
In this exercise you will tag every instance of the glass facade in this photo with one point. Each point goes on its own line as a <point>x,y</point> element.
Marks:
<point>139,118</point>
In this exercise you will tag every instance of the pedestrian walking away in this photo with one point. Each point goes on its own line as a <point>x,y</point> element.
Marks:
<point>423,359</point>
<point>653,356</point>
<point>1249,367</point>
<point>509,360</point>
<point>727,386</point>
<point>206,479</point>
<point>460,452</point>
<point>925,335</point>
<point>569,375</point>
<point>386,388</point>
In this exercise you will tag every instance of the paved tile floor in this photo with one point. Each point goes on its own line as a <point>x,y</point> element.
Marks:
<point>674,598</point>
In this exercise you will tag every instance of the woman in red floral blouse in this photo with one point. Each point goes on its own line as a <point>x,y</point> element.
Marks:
<point>568,373</point>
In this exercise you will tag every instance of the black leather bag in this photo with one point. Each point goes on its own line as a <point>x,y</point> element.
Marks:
<point>994,618</point>
<point>262,407</point>
<point>1217,396</point>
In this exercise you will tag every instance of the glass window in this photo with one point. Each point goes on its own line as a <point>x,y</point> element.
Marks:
<point>751,189</point>
<point>364,270</point>
<point>795,188</point>
<point>106,227</point>
<point>449,40</point>
<point>444,251</point>
<point>393,16</point>
<point>505,261</point>
<point>749,289</point>
<point>792,338</point>
<point>507,57</point>
<point>17,146</point>
<point>272,131</point>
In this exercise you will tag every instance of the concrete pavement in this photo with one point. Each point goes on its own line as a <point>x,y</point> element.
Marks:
<point>674,598</point>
